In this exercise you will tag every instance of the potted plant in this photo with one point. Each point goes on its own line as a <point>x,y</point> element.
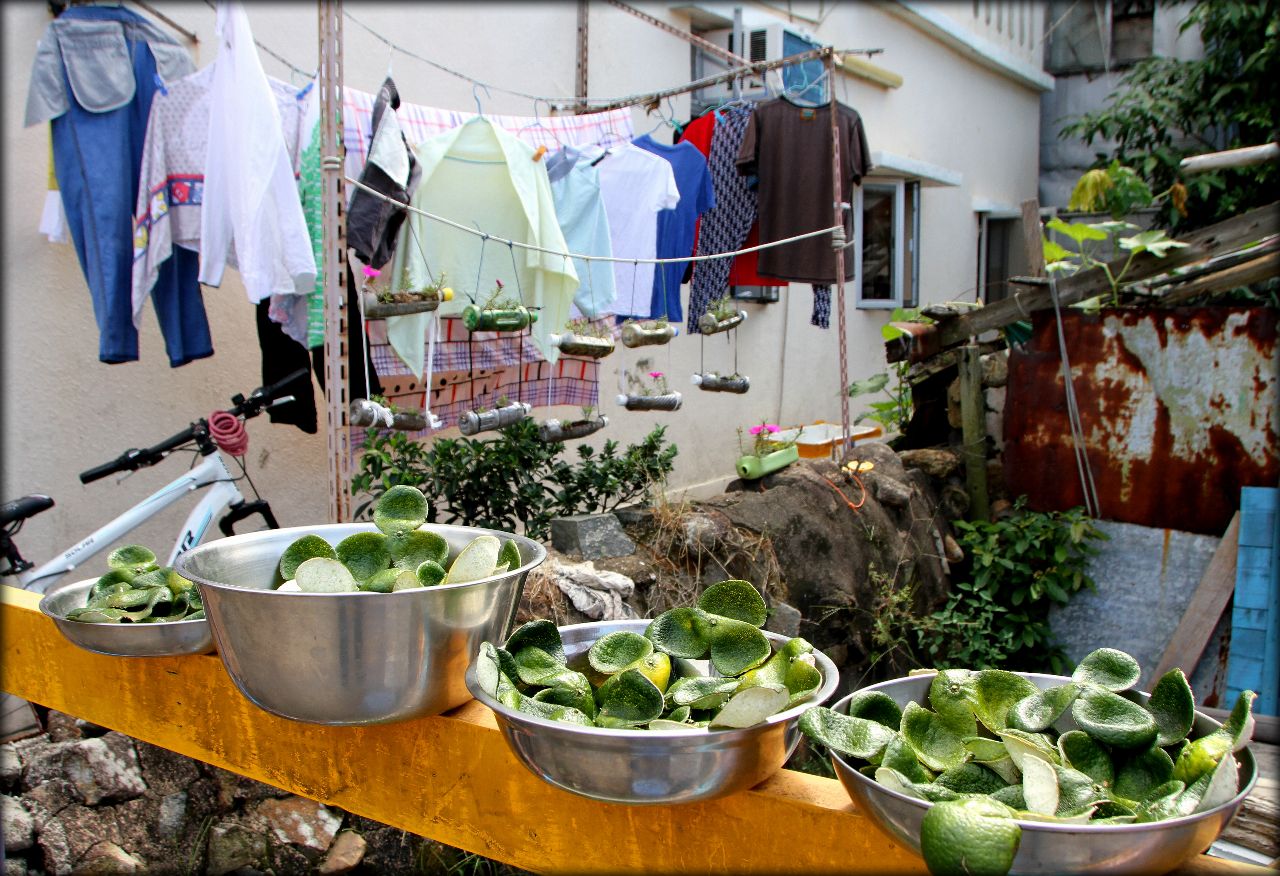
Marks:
<point>720,317</point>
<point>504,414</point>
<point>767,454</point>
<point>556,430</point>
<point>500,313</point>
<point>584,337</point>
<point>712,382</point>
<point>648,395</point>
<point>377,411</point>
<point>378,301</point>
<point>646,332</point>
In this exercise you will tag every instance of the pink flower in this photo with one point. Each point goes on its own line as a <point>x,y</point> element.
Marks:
<point>655,374</point>
<point>756,430</point>
<point>499,282</point>
<point>371,272</point>
<point>772,427</point>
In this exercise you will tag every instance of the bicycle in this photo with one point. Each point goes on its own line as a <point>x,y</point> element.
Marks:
<point>211,439</point>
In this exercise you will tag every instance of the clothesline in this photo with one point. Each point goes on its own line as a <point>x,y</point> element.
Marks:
<point>606,103</point>
<point>590,258</point>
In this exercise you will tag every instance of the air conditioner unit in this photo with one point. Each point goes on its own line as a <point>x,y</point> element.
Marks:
<point>763,42</point>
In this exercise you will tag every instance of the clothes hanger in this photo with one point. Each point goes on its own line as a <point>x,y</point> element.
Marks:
<point>668,120</point>
<point>479,116</point>
<point>537,123</point>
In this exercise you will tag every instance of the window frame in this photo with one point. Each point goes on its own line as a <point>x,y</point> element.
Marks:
<point>905,243</point>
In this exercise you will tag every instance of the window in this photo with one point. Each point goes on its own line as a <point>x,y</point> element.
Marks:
<point>886,228</point>
<point>1093,35</point>
<point>1001,255</point>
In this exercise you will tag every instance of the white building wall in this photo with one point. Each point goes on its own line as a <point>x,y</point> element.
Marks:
<point>64,411</point>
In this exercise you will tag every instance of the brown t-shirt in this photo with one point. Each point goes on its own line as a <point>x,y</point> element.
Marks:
<point>789,148</point>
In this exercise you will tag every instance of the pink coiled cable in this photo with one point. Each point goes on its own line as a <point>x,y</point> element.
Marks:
<point>228,433</point>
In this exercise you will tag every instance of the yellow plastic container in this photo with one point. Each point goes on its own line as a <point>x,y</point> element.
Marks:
<point>821,440</point>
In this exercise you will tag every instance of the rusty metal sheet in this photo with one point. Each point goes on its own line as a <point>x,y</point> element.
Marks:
<point>1179,409</point>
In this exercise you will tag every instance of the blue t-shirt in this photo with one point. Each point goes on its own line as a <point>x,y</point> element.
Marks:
<point>575,188</point>
<point>676,226</point>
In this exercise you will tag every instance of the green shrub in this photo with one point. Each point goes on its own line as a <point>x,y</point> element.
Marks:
<point>1019,568</point>
<point>511,479</point>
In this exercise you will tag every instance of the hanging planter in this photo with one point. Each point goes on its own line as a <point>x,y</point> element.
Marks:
<point>403,303</point>
<point>554,430</point>
<point>647,333</point>
<point>712,382</point>
<point>574,344</point>
<point>752,468</point>
<point>495,418</point>
<point>666,402</point>
<point>714,322</point>
<point>365,412</point>
<point>497,319</point>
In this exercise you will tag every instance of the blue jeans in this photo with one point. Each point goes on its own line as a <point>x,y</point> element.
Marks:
<point>97,157</point>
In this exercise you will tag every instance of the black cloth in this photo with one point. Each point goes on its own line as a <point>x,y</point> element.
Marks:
<point>372,223</point>
<point>281,356</point>
<point>788,146</point>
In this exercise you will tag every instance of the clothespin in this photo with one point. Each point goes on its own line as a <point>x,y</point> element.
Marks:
<point>539,152</point>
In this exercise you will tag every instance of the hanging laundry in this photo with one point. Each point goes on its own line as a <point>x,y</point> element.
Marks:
<point>743,271</point>
<point>311,194</point>
<point>250,192</point>
<point>95,73</point>
<point>821,316</point>
<point>676,225</point>
<point>372,222</point>
<point>480,176</point>
<point>636,184</point>
<point>53,219</point>
<point>575,188</point>
<point>788,147</point>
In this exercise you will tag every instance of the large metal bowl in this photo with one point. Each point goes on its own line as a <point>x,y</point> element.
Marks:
<point>167,639</point>
<point>650,766</point>
<point>349,658</point>
<point>1155,847</point>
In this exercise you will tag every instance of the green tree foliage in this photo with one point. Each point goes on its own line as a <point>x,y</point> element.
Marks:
<point>1167,109</point>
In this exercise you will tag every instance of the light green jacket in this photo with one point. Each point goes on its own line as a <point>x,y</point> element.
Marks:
<point>497,187</point>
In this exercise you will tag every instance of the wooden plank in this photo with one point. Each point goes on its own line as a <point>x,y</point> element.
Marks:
<point>1224,237</point>
<point>1207,603</point>
<point>451,778</point>
<point>1033,237</point>
<point>1257,824</point>
<point>974,431</point>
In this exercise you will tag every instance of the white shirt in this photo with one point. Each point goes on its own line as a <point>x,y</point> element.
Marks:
<point>635,185</point>
<point>250,193</point>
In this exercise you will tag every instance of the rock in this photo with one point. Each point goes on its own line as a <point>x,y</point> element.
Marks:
<point>888,490</point>
<point>62,727</point>
<point>233,845</point>
<point>233,787</point>
<point>52,842</point>
<point>783,619</point>
<point>708,531</point>
<point>995,368</point>
<point>106,858</point>
<point>593,593</point>
<point>591,536</point>
<point>936,462</point>
<point>18,826</point>
<point>101,770</point>
<point>954,419</point>
<point>391,851</point>
<point>134,826</point>
<point>301,822</point>
<point>954,502</point>
<point>15,867</point>
<point>288,861</point>
<point>165,772</point>
<point>173,813</point>
<point>49,798</point>
<point>1001,509</point>
<point>952,549</point>
<point>10,766</point>
<point>345,854</point>
<point>995,417</point>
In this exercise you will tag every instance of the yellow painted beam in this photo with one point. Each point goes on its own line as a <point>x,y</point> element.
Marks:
<point>874,73</point>
<point>450,778</point>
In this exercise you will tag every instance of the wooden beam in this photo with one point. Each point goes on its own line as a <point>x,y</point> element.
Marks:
<point>1214,240</point>
<point>1245,156</point>
<point>974,431</point>
<point>1205,608</point>
<point>1246,273</point>
<point>451,778</point>
<point>1033,237</point>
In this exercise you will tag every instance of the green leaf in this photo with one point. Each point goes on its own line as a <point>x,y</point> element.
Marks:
<point>1155,242</point>
<point>853,737</point>
<point>1077,231</point>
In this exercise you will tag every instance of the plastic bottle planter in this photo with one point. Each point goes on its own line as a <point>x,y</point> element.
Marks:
<point>414,302</point>
<point>495,418</point>
<point>554,430</point>
<point>645,334</point>
<point>709,325</point>
<point>752,468</point>
<point>711,382</point>
<point>668,402</point>
<point>369,413</point>
<point>495,319</point>
<point>582,345</point>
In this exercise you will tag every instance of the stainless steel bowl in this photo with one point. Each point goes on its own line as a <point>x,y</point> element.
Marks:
<point>1157,847</point>
<point>650,766</point>
<point>167,639</point>
<point>349,658</point>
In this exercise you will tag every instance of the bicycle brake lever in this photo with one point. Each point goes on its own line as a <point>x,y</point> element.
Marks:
<point>283,400</point>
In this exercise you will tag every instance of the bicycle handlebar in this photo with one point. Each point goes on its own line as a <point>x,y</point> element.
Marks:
<point>134,458</point>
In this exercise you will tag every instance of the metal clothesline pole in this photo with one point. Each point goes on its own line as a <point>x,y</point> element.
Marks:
<point>838,244</point>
